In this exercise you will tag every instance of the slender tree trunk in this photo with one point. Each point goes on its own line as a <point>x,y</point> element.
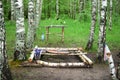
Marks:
<point>20,31</point>
<point>12,10</point>
<point>74,9</point>
<point>93,23</point>
<point>49,9</point>
<point>31,27</point>
<point>70,5</point>
<point>57,9</point>
<point>110,20</point>
<point>38,12</point>
<point>102,30</point>
<point>5,73</point>
<point>98,2</point>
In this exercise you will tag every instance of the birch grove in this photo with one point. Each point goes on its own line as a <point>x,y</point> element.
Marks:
<point>102,29</point>
<point>5,73</point>
<point>31,25</point>
<point>93,23</point>
<point>20,31</point>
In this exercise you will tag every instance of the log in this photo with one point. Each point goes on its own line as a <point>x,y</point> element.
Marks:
<point>71,54</point>
<point>61,64</point>
<point>69,49</point>
<point>30,59</point>
<point>87,59</point>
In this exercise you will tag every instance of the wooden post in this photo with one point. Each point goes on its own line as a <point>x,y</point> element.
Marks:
<point>47,33</point>
<point>62,34</point>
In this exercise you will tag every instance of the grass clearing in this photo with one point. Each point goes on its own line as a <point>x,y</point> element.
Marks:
<point>76,35</point>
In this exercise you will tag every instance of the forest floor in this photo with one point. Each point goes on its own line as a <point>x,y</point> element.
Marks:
<point>98,72</point>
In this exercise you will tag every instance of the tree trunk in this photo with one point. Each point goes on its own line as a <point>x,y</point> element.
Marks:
<point>57,9</point>
<point>110,20</point>
<point>98,2</point>
<point>70,7</point>
<point>31,27</point>
<point>38,12</point>
<point>102,30</point>
<point>74,9</point>
<point>93,23</point>
<point>12,10</point>
<point>5,73</point>
<point>20,31</point>
<point>49,9</point>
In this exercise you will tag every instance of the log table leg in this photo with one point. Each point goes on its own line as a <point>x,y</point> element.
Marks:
<point>47,33</point>
<point>62,34</point>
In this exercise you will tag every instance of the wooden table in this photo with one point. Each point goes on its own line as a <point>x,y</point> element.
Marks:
<point>55,26</point>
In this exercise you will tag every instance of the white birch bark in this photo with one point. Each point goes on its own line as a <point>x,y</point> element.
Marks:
<point>98,2</point>
<point>57,9</point>
<point>12,10</point>
<point>108,56</point>
<point>110,20</point>
<point>38,12</point>
<point>102,29</point>
<point>20,31</point>
<point>31,25</point>
<point>5,73</point>
<point>93,23</point>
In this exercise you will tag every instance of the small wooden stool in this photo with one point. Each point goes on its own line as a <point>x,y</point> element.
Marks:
<point>55,26</point>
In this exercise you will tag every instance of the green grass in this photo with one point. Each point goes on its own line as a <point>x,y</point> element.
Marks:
<point>76,35</point>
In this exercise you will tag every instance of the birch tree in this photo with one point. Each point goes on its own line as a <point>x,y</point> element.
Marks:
<point>38,12</point>
<point>12,10</point>
<point>110,19</point>
<point>5,73</point>
<point>57,9</point>
<point>74,9</point>
<point>98,3</point>
<point>93,23</point>
<point>20,31</point>
<point>31,23</point>
<point>102,29</point>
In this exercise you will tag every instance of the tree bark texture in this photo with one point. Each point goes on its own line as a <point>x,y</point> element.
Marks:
<point>31,25</point>
<point>110,19</point>
<point>57,9</point>
<point>102,30</point>
<point>12,10</point>
<point>38,12</point>
<point>20,31</point>
<point>98,3</point>
<point>5,73</point>
<point>93,23</point>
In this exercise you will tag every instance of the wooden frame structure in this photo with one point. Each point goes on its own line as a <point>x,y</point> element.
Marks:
<point>86,62</point>
<point>55,26</point>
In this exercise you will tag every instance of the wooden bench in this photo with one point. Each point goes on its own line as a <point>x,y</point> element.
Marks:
<point>55,26</point>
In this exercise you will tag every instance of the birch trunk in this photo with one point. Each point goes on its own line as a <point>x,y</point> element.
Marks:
<point>12,10</point>
<point>57,9</point>
<point>93,23</point>
<point>110,20</point>
<point>5,73</point>
<point>38,12</point>
<point>31,25</point>
<point>20,31</point>
<point>102,30</point>
<point>98,2</point>
<point>74,9</point>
